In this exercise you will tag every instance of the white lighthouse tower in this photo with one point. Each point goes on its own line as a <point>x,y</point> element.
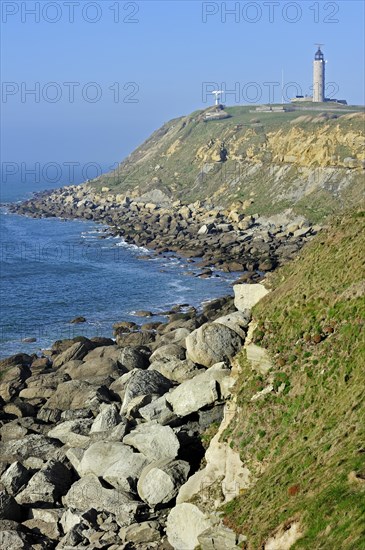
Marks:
<point>318,76</point>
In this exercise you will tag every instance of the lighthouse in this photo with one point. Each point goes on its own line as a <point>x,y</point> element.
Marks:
<point>318,76</point>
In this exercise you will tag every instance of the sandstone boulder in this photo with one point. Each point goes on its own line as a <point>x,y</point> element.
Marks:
<point>140,338</point>
<point>49,530</point>
<point>13,430</point>
<point>43,385</point>
<point>77,394</point>
<point>14,540</point>
<point>19,408</point>
<point>176,336</point>
<point>95,369</point>
<point>78,350</point>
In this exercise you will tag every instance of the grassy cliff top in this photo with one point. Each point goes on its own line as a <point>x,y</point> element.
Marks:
<point>312,159</point>
<point>304,440</point>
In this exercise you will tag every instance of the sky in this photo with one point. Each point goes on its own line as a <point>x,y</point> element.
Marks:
<point>84,83</point>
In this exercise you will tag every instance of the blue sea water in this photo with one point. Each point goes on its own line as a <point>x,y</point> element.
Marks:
<point>54,270</point>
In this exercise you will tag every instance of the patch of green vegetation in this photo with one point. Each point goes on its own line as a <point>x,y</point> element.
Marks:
<point>304,441</point>
<point>208,434</point>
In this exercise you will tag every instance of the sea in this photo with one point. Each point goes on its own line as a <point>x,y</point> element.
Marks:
<point>53,270</point>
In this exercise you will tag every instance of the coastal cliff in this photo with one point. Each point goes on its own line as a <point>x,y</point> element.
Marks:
<point>312,161</point>
<point>234,426</point>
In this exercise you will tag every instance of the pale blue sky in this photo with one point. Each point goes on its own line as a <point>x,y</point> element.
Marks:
<point>169,52</point>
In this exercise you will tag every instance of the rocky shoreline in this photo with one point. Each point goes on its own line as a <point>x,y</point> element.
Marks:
<point>100,437</point>
<point>105,442</point>
<point>228,240</point>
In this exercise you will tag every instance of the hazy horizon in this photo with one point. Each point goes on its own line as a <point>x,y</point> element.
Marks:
<point>87,83</point>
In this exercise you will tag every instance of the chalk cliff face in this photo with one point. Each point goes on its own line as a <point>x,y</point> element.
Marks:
<point>313,162</point>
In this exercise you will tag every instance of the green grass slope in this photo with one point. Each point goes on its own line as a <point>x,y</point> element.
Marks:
<point>305,440</point>
<point>312,160</point>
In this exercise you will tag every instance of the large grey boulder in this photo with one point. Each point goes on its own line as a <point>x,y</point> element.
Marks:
<point>43,385</point>
<point>13,377</point>
<point>89,493</point>
<point>144,383</point>
<point>34,445</point>
<point>107,419</point>
<point>160,482</point>
<point>220,537</point>
<point>247,296</point>
<point>15,477</point>
<point>139,533</point>
<point>174,369</point>
<point>184,524</point>
<point>49,530</point>
<point>95,369</point>
<point>123,474</point>
<point>77,394</point>
<point>14,540</point>
<point>76,351</point>
<point>74,433</point>
<point>158,410</point>
<point>212,343</point>
<point>177,337</point>
<point>102,455</point>
<point>202,390</point>
<point>237,321</point>
<point>154,441</point>
<point>168,351</point>
<point>47,485</point>
<point>103,352</point>
<point>134,358</point>
<point>12,430</point>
